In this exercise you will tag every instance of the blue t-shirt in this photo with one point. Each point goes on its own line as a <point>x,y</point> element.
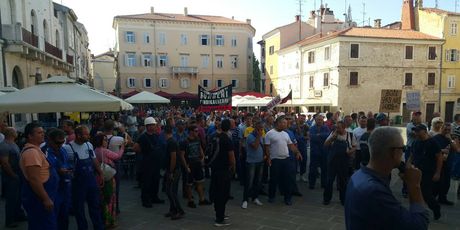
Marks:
<point>254,155</point>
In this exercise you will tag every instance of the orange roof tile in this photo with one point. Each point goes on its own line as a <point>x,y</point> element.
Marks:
<point>182,17</point>
<point>439,11</point>
<point>387,33</point>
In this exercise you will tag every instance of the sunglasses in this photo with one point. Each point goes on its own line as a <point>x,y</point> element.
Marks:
<point>403,148</point>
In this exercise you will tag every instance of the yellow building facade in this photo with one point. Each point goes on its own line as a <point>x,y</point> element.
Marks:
<point>175,53</point>
<point>444,24</point>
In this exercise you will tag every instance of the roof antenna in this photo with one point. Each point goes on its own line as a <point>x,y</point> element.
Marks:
<point>364,13</point>
<point>436,4</point>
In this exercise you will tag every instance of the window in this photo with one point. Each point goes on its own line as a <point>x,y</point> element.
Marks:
<point>235,83</point>
<point>219,40</point>
<point>204,40</point>
<point>353,78</point>
<point>184,60</point>
<point>205,83</point>
<point>219,83</point>
<point>326,79</point>
<point>131,83</point>
<point>234,41</point>
<point>451,82</point>
<point>431,79</point>
<point>311,57</point>
<point>409,52</point>
<point>271,69</point>
<point>130,59</point>
<point>312,82</point>
<point>163,83</point>
<point>130,37</point>
<point>163,60</point>
<point>146,38</point>
<point>234,61</point>
<point>183,39</point>
<point>432,53</point>
<point>162,38</point>
<point>205,60</point>
<point>184,83</point>
<point>408,79</point>
<point>147,82</point>
<point>220,61</point>
<point>453,29</point>
<point>147,59</point>
<point>354,51</point>
<point>327,53</point>
<point>452,55</point>
<point>271,88</point>
<point>271,50</point>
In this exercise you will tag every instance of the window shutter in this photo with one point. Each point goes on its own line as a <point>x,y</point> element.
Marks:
<point>167,61</point>
<point>126,59</point>
<point>141,62</point>
<point>447,55</point>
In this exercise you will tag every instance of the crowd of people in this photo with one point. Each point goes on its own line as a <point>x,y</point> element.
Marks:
<point>58,171</point>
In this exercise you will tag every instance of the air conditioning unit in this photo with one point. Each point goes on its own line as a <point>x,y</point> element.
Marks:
<point>318,93</point>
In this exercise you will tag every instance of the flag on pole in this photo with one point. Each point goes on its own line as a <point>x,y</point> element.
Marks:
<point>287,98</point>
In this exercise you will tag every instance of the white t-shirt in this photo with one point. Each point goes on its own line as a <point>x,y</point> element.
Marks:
<point>358,132</point>
<point>114,142</point>
<point>82,151</point>
<point>278,142</point>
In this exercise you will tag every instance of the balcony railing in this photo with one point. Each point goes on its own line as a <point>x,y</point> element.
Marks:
<point>53,50</point>
<point>186,70</point>
<point>69,59</point>
<point>29,37</point>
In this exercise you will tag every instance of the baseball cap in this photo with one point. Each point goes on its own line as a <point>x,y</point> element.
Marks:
<point>419,127</point>
<point>150,121</point>
<point>381,117</point>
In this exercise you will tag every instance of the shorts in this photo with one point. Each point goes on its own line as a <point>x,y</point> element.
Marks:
<point>196,173</point>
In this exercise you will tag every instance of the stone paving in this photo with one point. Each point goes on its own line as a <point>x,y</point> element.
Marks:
<point>307,212</point>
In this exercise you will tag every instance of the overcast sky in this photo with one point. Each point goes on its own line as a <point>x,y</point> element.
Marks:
<point>97,15</point>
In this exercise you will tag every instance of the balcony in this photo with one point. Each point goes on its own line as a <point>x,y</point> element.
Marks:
<point>53,50</point>
<point>29,37</point>
<point>177,70</point>
<point>69,59</point>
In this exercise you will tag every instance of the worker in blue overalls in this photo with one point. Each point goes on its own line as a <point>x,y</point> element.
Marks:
<point>58,158</point>
<point>85,187</point>
<point>40,184</point>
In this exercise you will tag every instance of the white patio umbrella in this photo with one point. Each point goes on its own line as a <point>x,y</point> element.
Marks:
<point>146,97</point>
<point>61,94</point>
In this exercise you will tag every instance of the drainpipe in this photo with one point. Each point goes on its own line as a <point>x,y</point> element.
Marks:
<point>3,52</point>
<point>440,77</point>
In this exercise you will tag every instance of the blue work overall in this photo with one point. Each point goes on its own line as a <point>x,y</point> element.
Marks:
<point>86,189</point>
<point>38,217</point>
<point>64,195</point>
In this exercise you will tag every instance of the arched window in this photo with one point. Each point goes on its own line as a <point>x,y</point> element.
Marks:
<point>33,24</point>
<point>45,31</point>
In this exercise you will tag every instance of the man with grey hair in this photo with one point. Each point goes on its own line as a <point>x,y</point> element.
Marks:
<point>370,203</point>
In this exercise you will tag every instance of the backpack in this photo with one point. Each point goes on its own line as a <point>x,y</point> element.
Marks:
<point>212,149</point>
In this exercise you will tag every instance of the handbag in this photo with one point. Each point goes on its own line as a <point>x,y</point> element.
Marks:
<point>107,170</point>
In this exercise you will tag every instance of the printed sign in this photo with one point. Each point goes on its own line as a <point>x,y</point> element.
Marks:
<point>220,99</point>
<point>275,101</point>
<point>413,101</point>
<point>390,101</point>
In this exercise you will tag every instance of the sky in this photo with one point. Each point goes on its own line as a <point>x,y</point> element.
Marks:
<point>97,15</point>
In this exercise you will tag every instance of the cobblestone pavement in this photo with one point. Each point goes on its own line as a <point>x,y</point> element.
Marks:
<point>307,212</point>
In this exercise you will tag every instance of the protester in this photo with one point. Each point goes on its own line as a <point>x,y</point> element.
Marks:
<point>108,192</point>
<point>9,162</point>
<point>222,166</point>
<point>40,187</point>
<point>370,203</point>
<point>363,141</point>
<point>318,153</point>
<point>148,144</point>
<point>84,184</point>
<point>358,132</point>
<point>58,158</point>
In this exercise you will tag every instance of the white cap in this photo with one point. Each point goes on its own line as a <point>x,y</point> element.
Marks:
<point>150,121</point>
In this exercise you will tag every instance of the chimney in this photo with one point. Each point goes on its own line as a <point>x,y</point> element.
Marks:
<point>233,17</point>
<point>408,16</point>
<point>152,10</point>
<point>248,21</point>
<point>297,18</point>
<point>419,4</point>
<point>185,11</point>
<point>378,23</point>
<point>312,14</point>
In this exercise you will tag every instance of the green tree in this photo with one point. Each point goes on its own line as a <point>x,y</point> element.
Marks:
<point>256,74</point>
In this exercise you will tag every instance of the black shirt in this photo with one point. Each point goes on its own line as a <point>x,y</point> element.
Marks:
<point>150,145</point>
<point>424,153</point>
<point>191,149</point>
<point>225,145</point>
<point>171,147</point>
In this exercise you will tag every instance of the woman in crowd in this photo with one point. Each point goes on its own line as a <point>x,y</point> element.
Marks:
<point>108,195</point>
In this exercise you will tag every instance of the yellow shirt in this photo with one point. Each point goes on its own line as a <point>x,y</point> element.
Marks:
<point>249,130</point>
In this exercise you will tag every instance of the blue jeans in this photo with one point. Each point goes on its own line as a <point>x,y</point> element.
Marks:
<point>280,171</point>
<point>318,159</point>
<point>303,163</point>
<point>254,172</point>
